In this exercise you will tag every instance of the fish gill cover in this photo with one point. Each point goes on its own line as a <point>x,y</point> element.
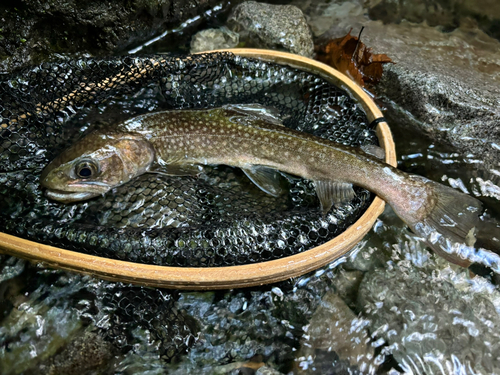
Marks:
<point>218,219</point>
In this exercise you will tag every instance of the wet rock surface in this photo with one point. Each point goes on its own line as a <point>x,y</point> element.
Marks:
<point>212,39</point>
<point>56,322</point>
<point>449,83</point>
<point>32,32</point>
<point>84,355</point>
<point>446,83</point>
<point>447,13</point>
<point>281,27</point>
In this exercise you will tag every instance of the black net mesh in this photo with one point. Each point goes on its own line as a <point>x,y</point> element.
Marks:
<point>216,220</point>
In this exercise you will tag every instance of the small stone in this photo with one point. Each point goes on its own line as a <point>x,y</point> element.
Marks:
<point>281,27</point>
<point>89,352</point>
<point>212,39</point>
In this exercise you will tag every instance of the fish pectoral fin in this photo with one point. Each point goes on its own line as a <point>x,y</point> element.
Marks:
<point>178,170</point>
<point>331,192</point>
<point>267,179</point>
<point>373,150</point>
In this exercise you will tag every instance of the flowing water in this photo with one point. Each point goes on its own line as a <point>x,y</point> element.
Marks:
<point>390,306</point>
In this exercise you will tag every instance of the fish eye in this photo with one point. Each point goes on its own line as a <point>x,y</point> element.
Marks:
<point>86,169</point>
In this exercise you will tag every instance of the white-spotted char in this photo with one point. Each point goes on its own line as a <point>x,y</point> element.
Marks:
<point>248,137</point>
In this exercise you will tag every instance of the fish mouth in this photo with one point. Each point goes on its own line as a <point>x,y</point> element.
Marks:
<point>69,196</point>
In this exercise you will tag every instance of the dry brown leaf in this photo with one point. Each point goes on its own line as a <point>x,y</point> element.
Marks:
<point>353,58</point>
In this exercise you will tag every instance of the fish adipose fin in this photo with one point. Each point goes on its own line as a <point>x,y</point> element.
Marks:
<point>330,193</point>
<point>451,222</point>
<point>267,179</point>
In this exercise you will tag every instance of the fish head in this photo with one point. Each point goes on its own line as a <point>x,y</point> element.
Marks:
<point>96,164</point>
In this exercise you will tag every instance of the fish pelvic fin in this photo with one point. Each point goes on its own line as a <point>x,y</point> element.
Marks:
<point>452,221</point>
<point>267,179</point>
<point>332,193</point>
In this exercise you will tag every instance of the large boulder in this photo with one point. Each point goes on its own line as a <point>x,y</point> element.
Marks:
<point>445,83</point>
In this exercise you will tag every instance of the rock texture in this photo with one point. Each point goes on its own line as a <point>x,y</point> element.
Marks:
<point>87,354</point>
<point>447,13</point>
<point>32,31</point>
<point>448,84</point>
<point>212,39</point>
<point>281,27</point>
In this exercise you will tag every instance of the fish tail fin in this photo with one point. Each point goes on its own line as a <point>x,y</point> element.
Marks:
<point>451,221</point>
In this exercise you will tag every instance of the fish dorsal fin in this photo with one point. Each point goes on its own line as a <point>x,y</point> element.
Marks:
<point>331,192</point>
<point>267,179</point>
<point>255,111</point>
<point>177,169</point>
<point>373,150</point>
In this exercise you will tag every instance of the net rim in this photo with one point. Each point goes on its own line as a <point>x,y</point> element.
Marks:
<point>205,278</point>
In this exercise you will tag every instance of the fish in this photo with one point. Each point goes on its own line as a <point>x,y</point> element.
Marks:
<point>250,137</point>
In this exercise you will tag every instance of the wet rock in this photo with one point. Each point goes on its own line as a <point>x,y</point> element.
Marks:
<point>33,332</point>
<point>238,326</point>
<point>336,340</point>
<point>11,285</point>
<point>264,370</point>
<point>10,267</point>
<point>431,317</point>
<point>54,327</point>
<point>281,27</point>
<point>30,32</point>
<point>87,353</point>
<point>322,15</point>
<point>447,84</point>
<point>212,39</point>
<point>447,13</point>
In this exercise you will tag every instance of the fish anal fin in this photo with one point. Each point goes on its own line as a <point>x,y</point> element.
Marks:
<point>177,169</point>
<point>373,150</point>
<point>267,179</point>
<point>333,192</point>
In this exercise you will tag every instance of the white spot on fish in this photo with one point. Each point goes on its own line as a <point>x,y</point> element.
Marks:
<point>393,175</point>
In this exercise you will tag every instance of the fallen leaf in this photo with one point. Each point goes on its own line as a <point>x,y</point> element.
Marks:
<point>353,58</point>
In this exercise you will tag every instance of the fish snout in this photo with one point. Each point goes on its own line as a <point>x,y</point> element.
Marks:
<point>53,179</point>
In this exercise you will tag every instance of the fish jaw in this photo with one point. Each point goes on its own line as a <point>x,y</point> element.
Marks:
<point>69,197</point>
<point>75,191</point>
